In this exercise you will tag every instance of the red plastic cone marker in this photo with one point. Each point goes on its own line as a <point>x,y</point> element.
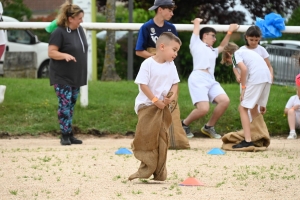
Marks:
<point>191,182</point>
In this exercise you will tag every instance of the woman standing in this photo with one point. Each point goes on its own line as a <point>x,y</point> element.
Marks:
<point>68,65</point>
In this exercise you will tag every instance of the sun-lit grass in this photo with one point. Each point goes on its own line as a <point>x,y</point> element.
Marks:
<point>30,107</point>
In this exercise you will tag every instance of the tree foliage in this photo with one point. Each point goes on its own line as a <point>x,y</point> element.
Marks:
<point>259,8</point>
<point>16,9</point>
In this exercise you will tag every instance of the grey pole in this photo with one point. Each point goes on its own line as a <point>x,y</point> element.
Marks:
<point>130,44</point>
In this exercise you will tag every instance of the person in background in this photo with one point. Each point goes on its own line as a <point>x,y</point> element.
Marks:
<point>2,49</point>
<point>292,110</point>
<point>68,50</point>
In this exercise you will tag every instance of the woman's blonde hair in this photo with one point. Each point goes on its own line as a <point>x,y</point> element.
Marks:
<point>67,9</point>
<point>228,50</point>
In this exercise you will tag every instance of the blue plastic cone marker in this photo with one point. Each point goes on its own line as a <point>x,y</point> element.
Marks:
<point>122,151</point>
<point>191,182</point>
<point>216,151</point>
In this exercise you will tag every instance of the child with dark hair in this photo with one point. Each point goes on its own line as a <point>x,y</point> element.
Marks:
<point>202,84</point>
<point>252,38</point>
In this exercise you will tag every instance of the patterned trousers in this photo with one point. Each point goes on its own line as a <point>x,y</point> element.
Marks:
<point>67,97</point>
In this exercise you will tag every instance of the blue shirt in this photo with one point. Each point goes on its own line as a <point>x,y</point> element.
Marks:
<point>149,32</point>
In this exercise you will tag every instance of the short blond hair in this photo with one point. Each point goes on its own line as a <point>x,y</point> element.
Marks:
<point>228,50</point>
<point>166,37</point>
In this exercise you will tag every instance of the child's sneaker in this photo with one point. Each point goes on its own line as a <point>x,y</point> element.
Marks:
<point>243,144</point>
<point>292,136</point>
<point>210,132</point>
<point>187,130</point>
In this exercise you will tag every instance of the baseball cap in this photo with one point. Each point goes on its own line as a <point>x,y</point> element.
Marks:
<point>158,3</point>
<point>297,80</point>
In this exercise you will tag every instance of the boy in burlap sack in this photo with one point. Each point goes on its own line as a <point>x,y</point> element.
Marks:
<point>146,47</point>
<point>156,78</point>
<point>255,83</point>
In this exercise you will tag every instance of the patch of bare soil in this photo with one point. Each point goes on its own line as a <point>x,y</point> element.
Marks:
<point>40,168</point>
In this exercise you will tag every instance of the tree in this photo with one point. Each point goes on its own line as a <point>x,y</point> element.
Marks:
<point>260,8</point>
<point>16,9</point>
<point>109,71</point>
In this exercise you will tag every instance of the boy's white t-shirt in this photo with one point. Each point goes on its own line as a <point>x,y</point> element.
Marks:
<point>158,76</point>
<point>260,50</point>
<point>293,101</point>
<point>258,71</point>
<point>204,56</point>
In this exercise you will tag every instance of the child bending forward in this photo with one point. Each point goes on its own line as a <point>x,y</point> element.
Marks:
<point>158,84</point>
<point>255,83</point>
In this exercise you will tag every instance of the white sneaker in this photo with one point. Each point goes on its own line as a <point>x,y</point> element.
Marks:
<point>2,92</point>
<point>292,136</point>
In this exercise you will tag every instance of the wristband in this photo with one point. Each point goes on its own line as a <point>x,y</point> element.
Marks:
<point>155,99</point>
<point>229,32</point>
<point>243,87</point>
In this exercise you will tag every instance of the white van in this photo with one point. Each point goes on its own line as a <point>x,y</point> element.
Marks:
<point>26,41</point>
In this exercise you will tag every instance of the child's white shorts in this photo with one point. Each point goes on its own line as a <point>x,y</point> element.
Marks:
<point>256,94</point>
<point>203,87</point>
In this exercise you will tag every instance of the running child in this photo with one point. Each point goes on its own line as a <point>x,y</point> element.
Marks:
<point>255,83</point>
<point>202,84</point>
<point>158,84</point>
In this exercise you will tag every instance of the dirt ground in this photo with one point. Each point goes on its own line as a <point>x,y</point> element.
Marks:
<point>40,168</point>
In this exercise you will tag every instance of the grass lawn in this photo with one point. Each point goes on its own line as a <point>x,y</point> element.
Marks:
<point>30,107</point>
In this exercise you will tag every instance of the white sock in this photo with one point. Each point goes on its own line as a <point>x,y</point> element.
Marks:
<point>2,92</point>
<point>292,131</point>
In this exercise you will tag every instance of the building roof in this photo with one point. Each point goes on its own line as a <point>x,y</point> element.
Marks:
<point>43,7</point>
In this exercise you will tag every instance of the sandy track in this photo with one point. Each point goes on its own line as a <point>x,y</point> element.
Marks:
<point>43,169</point>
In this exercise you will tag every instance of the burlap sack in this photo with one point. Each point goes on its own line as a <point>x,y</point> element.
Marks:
<point>259,136</point>
<point>178,139</point>
<point>150,144</point>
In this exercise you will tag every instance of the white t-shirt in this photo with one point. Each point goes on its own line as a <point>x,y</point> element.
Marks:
<point>259,49</point>
<point>258,71</point>
<point>293,101</point>
<point>204,56</point>
<point>158,76</point>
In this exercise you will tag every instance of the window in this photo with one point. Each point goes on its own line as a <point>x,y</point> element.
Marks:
<point>18,36</point>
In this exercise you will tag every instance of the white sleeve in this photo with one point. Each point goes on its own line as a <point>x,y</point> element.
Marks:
<point>237,58</point>
<point>143,75</point>
<point>264,53</point>
<point>195,42</point>
<point>175,75</point>
<point>290,102</point>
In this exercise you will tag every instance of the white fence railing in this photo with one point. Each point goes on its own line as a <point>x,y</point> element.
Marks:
<point>130,26</point>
